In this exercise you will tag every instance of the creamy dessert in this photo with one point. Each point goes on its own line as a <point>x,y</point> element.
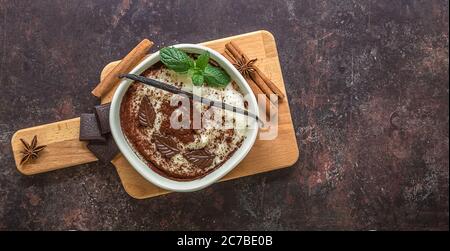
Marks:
<point>179,138</point>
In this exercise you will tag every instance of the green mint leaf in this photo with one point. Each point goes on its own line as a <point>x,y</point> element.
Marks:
<point>192,71</point>
<point>202,61</point>
<point>176,59</point>
<point>215,76</point>
<point>198,79</point>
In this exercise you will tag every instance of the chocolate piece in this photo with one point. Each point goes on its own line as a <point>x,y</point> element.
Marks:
<point>146,114</point>
<point>201,158</point>
<point>102,113</point>
<point>89,129</point>
<point>104,151</point>
<point>166,146</point>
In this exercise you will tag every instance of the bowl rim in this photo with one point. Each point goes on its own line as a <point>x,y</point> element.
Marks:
<point>141,167</point>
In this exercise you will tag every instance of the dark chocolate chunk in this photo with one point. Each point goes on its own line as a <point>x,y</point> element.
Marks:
<point>89,129</point>
<point>104,151</point>
<point>102,113</point>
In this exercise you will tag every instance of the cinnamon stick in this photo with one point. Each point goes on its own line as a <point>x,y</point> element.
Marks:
<point>260,82</point>
<point>229,57</point>
<point>231,52</point>
<point>235,49</point>
<point>125,65</point>
<point>258,93</point>
<point>236,54</point>
<point>255,88</point>
<point>269,83</point>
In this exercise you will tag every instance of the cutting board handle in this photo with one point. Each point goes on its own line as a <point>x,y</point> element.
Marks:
<point>63,147</point>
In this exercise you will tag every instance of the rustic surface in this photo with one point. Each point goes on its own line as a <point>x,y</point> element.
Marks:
<point>368,88</point>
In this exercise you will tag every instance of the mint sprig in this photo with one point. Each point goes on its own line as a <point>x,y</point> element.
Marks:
<point>202,61</point>
<point>176,60</point>
<point>215,76</point>
<point>199,70</point>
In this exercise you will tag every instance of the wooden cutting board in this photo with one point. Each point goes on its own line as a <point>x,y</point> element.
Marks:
<point>64,149</point>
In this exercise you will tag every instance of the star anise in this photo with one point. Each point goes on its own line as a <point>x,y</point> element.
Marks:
<point>244,66</point>
<point>31,151</point>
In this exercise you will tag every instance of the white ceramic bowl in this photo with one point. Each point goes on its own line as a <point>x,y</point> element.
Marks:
<point>147,172</point>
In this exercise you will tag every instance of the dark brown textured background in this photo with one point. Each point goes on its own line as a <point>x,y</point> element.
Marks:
<point>368,88</point>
